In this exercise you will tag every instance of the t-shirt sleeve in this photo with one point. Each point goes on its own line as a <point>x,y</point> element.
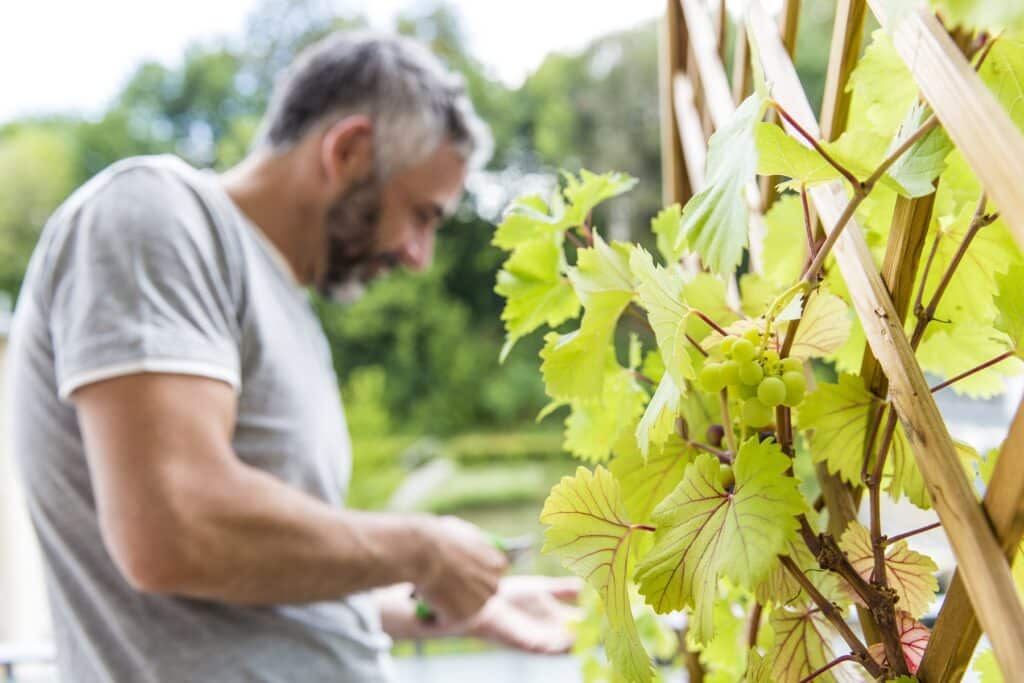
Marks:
<point>140,283</point>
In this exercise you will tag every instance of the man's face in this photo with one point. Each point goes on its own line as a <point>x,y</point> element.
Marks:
<point>373,227</point>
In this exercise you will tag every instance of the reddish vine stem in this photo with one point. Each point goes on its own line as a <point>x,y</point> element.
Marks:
<point>715,326</point>
<point>869,442</point>
<point>755,624</point>
<point>913,532</point>
<point>978,368</point>
<point>835,662</point>
<point>696,345</point>
<point>724,457</point>
<point>575,240</point>
<point>808,228</point>
<point>930,123</point>
<point>845,172</point>
<point>643,378</point>
<point>835,617</point>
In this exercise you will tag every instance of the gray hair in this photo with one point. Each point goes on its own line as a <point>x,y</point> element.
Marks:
<point>414,101</point>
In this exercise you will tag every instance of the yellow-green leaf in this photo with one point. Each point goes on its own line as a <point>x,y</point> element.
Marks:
<point>824,326</point>
<point>658,421</point>
<point>715,219</point>
<point>909,573</point>
<point>666,227</point>
<point>661,293</point>
<point>781,155</point>
<point>645,485</point>
<point>589,531</point>
<point>536,293</point>
<point>596,425</point>
<point>706,531</point>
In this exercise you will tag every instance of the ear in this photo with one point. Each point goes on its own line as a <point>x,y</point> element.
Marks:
<point>346,152</point>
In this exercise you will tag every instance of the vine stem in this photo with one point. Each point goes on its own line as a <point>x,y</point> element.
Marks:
<point>835,618</point>
<point>808,228</point>
<point>696,345</point>
<point>835,662</point>
<point>730,436</point>
<point>845,172</point>
<point>575,240</point>
<point>715,326</point>
<point>724,457</point>
<point>755,624</point>
<point>643,378</point>
<point>912,532</point>
<point>978,368</point>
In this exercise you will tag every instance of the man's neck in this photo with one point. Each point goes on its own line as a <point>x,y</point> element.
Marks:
<point>269,190</point>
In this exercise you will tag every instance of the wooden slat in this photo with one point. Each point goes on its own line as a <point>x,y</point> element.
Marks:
<point>675,185</point>
<point>690,131</point>
<point>846,39</point>
<point>957,630</point>
<point>740,68</point>
<point>982,131</point>
<point>713,82</point>
<point>907,233</point>
<point>789,22</point>
<point>986,572</point>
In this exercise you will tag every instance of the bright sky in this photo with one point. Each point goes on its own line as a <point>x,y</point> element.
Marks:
<point>70,55</point>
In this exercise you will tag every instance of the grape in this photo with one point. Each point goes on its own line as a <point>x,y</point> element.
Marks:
<point>712,378</point>
<point>750,372</point>
<point>756,414</point>
<point>765,435</point>
<point>726,345</point>
<point>796,385</point>
<point>714,435</point>
<point>726,477</point>
<point>792,365</point>
<point>731,372</point>
<point>746,390</point>
<point>743,350</point>
<point>771,356</point>
<point>771,391</point>
<point>682,428</point>
<point>752,335</point>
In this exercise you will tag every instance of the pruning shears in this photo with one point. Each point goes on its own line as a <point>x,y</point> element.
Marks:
<point>513,548</point>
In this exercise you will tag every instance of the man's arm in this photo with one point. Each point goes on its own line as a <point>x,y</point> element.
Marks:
<point>180,513</point>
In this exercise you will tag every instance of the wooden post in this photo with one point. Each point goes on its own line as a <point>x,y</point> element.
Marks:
<point>675,185</point>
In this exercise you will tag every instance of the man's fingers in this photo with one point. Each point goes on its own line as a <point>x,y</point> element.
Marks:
<point>565,588</point>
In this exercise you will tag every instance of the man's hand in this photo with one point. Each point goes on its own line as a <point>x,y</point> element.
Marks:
<point>464,570</point>
<point>530,613</point>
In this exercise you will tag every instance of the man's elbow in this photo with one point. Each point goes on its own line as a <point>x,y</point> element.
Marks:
<point>153,555</point>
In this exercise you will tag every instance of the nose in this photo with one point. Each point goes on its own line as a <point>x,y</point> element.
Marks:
<point>417,251</point>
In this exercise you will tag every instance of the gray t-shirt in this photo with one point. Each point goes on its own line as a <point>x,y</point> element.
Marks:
<point>151,267</point>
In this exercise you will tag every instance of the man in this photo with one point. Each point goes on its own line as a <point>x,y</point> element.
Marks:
<point>175,413</point>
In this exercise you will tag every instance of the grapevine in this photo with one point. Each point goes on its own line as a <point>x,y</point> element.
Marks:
<point>709,404</point>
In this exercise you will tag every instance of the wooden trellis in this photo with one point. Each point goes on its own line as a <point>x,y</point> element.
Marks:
<point>698,97</point>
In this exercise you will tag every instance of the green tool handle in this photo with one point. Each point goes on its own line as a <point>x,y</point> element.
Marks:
<point>425,612</point>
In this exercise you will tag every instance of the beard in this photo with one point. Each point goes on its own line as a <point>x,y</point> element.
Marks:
<point>352,227</point>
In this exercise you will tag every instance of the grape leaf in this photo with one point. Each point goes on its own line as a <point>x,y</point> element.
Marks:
<point>759,668</point>
<point>785,242</point>
<point>666,227</point>
<point>780,588</point>
<point>1010,303</point>
<point>574,364</point>
<point>1003,73</point>
<point>882,89</point>
<point>909,573</point>
<point>661,293</point>
<point>917,168</point>
<point>589,189</point>
<point>804,642</point>
<point>658,420</point>
<point>588,530</point>
<point>534,289</point>
<point>949,350</point>
<point>839,414</point>
<point>596,425</point>
<point>706,531</point>
<point>987,668</point>
<point>983,14</point>
<point>715,219</point>
<point>644,485</point>
<point>527,219</point>
<point>824,327</point>
<point>781,155</point>
<point>914,638</point>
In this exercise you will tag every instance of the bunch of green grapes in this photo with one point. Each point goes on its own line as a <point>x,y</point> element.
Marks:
<point>754,375</point>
